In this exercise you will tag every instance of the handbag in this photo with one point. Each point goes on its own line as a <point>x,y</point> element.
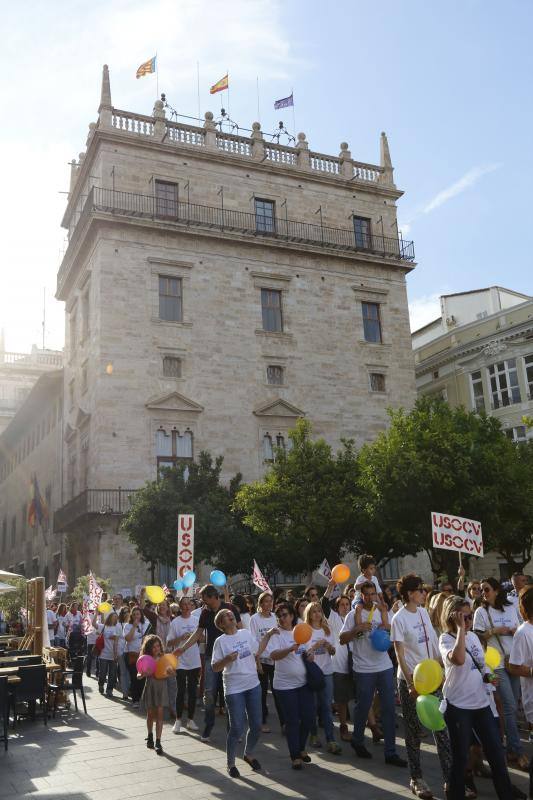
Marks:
<point>99,644</point>
<point>314,675</point>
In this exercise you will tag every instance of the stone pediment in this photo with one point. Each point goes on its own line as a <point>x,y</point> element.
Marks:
<point>279,408</point>
<point>173,401</point>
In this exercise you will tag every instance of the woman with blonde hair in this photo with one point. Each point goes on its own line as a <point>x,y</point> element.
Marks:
<point>321,648</point>
<point>435,610</point>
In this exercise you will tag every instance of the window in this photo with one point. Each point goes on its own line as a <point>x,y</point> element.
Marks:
<point>271,309</point>
<point>21,569</point>
<point>265,219</point>
<point>377,382</point>
<point>23,520</point>
<point>84,464</point>
<point>275,375</point>
<point>528,363</point>
<point>504,383</point>
<point>71,472</point>
<point>13,530</point>
<point>361,226</point>
<point>172,447</point>
<point>35,566</point>
<point>48,500</point>
<point>170,299</point>
<point>268,449</point>
<point>371,322</point>
<point>171,367</point>
<point>270,444</point>
<point>166,199</point>
<point>476,381</point>
<point>73,331</point>
<point>517,434</point>
<point>71,394</point>
<point>85,316</point>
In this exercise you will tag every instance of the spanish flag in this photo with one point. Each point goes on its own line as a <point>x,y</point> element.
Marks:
<point>220,85</point>
<point>147,68</point>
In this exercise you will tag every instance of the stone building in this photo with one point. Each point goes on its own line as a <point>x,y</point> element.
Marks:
<point>217,287</point>
<point>479,354</point>
<point>18,373</point>
<point>31,447</point>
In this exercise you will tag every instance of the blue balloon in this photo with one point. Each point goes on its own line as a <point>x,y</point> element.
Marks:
<point>189,578</point>
<point>178,584</point>
<point>217,578</point>
<point>380,640</point>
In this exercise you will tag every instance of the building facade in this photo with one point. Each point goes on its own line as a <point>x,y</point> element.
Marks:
<point>18,373</point>
<point>479,354</point>
<point>218,287</point>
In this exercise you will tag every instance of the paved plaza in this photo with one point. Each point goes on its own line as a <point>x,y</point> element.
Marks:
<point>102,756</point>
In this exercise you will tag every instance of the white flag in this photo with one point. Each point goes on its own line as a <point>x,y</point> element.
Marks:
<point>95,591</point>
<point>259,580</point>
<point>325,570</point>
<point>50,593</point>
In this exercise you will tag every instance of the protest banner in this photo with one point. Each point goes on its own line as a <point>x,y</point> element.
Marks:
<point>185,543</point>
<point>459,534</point>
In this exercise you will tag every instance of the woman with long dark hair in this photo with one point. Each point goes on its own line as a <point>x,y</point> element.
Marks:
<point>495,622</point>
<point>134,631</point>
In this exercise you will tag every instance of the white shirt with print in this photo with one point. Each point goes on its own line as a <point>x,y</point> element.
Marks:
<point>239,675</point>
<point>415,631</point>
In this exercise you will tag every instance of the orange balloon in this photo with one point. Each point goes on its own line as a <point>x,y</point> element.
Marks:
<point>340,573</point>
<point>163,663</point>
<point>302,633</point>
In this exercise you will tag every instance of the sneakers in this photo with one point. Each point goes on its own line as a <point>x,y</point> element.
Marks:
<point>334,748</point>
<point>420,789</point>
<point>233,772</point>
<point>395,761</point>
<point>150,741</point>
<point>361,751</point>
<point>205,736</point>
<point>158,748</point>
<point>192,726</point>
<point>315,741</point>
<point>176,728</point>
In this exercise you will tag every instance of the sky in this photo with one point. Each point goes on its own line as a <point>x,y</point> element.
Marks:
<point>449,82</point>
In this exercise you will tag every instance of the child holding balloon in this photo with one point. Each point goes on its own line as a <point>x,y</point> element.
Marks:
<point>156,667</point>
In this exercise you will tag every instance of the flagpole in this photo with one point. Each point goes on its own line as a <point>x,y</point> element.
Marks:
<point>198,88</point>
<point>227,75</point>
<point>156,75</point>
<point>258,111</point>
<point>293,114</point>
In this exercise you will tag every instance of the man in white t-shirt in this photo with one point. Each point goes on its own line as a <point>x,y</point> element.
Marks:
<point>519,580</point>
<point>521,660</point>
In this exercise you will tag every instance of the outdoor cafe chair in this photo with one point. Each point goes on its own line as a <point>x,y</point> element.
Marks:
<point>71,680</point>
<point>32,687</point>
<point>4,707</point>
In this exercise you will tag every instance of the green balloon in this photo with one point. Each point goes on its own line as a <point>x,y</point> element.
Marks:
<point>427,708</point>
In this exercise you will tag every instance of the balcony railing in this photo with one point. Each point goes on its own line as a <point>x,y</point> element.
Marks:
<point>32,359</point>
<point>185,214</point>
<point>93,502</point>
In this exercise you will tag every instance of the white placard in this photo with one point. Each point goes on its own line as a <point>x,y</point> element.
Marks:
<point>185,543</point>
<point>456,533</point>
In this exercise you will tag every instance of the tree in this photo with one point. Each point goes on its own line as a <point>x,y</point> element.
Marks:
<point>12,602</point>
<point>221,538</point>
<point>436,458</point>
<point>305,505</point>
<point>81,589</point>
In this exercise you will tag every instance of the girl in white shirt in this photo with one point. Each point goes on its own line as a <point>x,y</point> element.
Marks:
<point>466,704</point>
<point>321,648</point>
<point>134,632</point>
<point>234,654</point>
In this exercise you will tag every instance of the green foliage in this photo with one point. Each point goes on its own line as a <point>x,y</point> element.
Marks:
<point>220,536</point>
<point>305,504</point>
<point>436,458</point>
<point>82,587</point>
<point>12,602</point>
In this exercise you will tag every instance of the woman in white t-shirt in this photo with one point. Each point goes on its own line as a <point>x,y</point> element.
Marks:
<point>414,641</point>
<point>336,612</point>
<point>260,624</point>
<point>61,630</point>
<point>290,684</point>
<point>107,667</point>
<point>73,618</point>
<point>134,632</point>
<point>321,648</point>
<point>188,672</point>
<point>234,654</point>
<point>373,672</point>
<point>467,688</point>
<point>495,622</point>
<point>521,659</point>
<point>123,671</point>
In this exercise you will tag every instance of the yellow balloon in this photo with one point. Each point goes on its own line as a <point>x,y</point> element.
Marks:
<point>427,676</point>
<point>155,594</point>
<point>105,607</point>
<point>492,658</point>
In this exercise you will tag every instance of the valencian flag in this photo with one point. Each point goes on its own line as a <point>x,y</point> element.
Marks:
<point>147,68</point>
<point>285,102</point>
<point>220,85</point>
<point>37,509</point>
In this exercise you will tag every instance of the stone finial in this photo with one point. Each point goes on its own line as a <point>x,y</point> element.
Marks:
<point>258,143</point>
<point>92,128</point>
<point>159,109</point>
<point>210,138</point>
<point>105,107</point>
<point>346,163</point>
<point>159,116</point>
<point>386,176</point>
<point>81,159</point>
<point>257,133</point>
<point>302,146</point>
<point>73,174</point>
<point>302,142</point>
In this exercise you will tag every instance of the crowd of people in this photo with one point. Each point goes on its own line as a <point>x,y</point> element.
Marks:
<point>232,650</point>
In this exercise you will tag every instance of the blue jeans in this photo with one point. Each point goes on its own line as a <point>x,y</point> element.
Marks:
<point>242,707</point>
<point>212,683</point>
<point>324,700</point>
<point>461,722</point>
<point>124,673</point>
<point>298,712</point>
<point>107,669</point>
<point>366,684</point>
<point>509,691</point>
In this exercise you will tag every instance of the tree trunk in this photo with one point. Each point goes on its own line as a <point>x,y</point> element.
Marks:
<point>152,572</point>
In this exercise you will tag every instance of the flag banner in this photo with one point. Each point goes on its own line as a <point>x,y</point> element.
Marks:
<point>95,591</point>
<point>325,569</point>
<point>86,622</point>
<point>220,86</point>
<point>285,102</point>
<point>457,533</point>
<point>165,589</point>
<point>61,583</point>
<point>259,580</point>
<point>50,593</point>
<point>185,544</point>
<point>147,68</point>
<point>37,509</point>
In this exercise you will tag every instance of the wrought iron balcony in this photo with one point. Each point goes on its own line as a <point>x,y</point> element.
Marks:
<point>184,214</point>
<point>93,503</point>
